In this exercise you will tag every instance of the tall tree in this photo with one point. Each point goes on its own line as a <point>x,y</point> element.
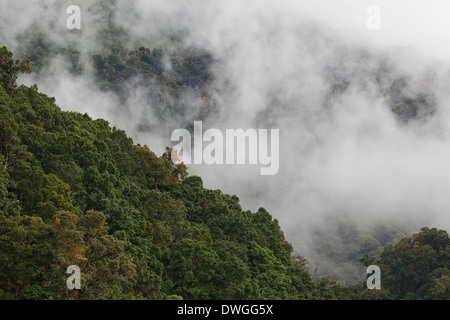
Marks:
<point>10,69</point>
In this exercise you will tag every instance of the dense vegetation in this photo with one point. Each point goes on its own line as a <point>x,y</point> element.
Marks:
<point>338,249</point>
<point>417,267</point>
<point>76,191</point>
<point>169,78</point>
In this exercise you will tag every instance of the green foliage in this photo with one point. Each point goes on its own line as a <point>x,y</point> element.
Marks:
<point>375,294</point>
<point>85,242</point>
<point>29,259</point>
<point>343,244</point>
<point>75,191</point>
<point>166,77</point>
<point>417,267</point>
<point>10,69</point>
<point>408,108</point>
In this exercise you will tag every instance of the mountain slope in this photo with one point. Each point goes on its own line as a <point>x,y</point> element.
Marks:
<point>75,191</point>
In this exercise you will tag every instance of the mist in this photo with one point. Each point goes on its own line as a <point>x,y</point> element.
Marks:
<point>312,70</point>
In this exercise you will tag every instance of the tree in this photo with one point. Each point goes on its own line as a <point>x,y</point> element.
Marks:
<point>11,151</point>
<point>9,206</point>
<point>417,267</point>
<point>193,269</point>
<point>10,69</point>
<point>155,170</point>
<point>29,260</point>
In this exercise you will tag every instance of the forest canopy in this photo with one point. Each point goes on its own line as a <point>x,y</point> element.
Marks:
<point>76,191</point>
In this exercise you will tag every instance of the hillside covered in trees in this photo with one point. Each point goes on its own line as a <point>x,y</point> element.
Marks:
<point>74,191</point>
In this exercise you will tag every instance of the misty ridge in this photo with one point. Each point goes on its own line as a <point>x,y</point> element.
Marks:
<point>364,130</point>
